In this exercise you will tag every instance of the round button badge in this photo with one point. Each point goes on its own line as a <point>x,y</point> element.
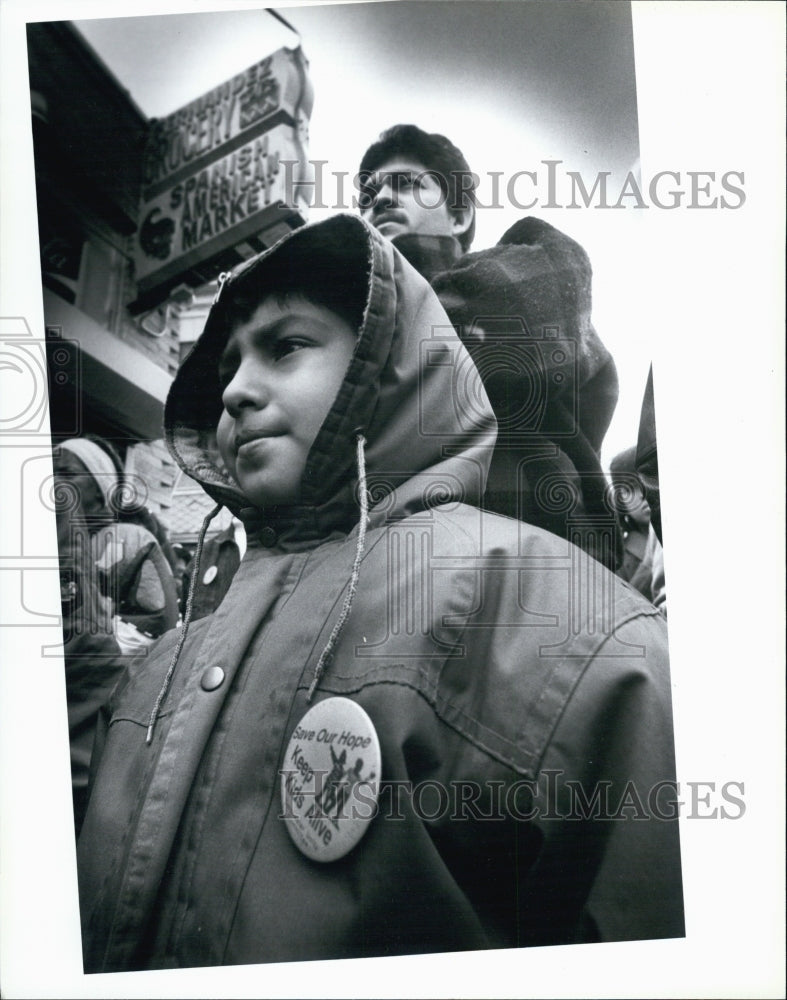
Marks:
<point>210,574</point>
<point>330,779</point>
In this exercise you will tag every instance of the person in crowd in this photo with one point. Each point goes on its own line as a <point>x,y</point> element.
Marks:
<point>523,310</point>
<point>130,567</point>
<point>643,558</point>
<point>647,457</point>
<point>219,561</point>
<point>148,519</point>
<point>409,726</point>
<point>183,557</point>
<point>91,655</point>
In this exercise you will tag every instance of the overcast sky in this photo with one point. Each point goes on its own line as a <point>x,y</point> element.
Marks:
<point>511,83</point>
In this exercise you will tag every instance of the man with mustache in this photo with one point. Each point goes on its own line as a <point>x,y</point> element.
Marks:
<point>522,309</point>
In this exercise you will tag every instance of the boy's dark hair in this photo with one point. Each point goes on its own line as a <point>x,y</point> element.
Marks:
<point>438,155</point>
<point>332,280</point>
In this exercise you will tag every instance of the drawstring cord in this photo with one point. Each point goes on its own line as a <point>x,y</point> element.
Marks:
<point>327,654</point>
<point>222,279</point>
<point>186,622</point>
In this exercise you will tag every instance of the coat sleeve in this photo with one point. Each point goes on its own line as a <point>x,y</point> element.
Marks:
<point>608,803</point>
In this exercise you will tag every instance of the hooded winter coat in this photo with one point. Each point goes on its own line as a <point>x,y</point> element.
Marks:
<point>497,663</point>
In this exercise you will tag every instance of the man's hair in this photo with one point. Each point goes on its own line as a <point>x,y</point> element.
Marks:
<point>438,155</point>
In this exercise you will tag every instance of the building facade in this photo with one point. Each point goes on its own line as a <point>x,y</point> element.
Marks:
<point>115,299</point>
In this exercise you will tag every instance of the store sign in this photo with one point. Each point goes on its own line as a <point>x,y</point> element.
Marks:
<point>221,176</point>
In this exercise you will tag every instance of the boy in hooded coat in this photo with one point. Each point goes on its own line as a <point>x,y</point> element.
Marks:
<point>519,693</point>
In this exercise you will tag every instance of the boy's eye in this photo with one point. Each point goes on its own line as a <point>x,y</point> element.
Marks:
<point>288,345</point>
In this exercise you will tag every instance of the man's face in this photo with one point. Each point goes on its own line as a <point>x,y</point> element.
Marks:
<point>404,198</point>
<point>281,372</point>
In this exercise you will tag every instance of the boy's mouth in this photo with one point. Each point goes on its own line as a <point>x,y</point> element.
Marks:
<point>250,436</point>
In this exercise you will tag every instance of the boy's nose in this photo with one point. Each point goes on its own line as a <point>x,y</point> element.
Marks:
<point>247,388</point>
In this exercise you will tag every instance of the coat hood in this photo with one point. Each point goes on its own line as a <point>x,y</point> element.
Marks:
<point>541,278</point>
<point>411,390</point>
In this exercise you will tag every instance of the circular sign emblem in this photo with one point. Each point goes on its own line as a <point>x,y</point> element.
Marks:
<point>330,779</point>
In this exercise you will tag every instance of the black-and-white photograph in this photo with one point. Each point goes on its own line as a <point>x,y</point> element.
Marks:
<point>346,380</point>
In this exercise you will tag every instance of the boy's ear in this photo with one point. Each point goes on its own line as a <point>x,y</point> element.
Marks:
<point>462,219</point>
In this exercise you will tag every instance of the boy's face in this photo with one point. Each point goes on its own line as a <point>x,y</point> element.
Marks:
<point>405,198</point>
<point>280,372</point>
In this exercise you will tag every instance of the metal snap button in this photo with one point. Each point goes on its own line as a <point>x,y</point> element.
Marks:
<point>212,679</point>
